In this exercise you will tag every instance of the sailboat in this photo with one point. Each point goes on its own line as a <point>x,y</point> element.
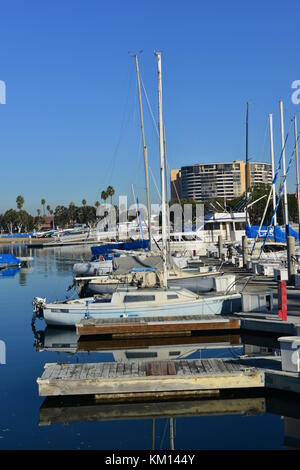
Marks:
<point>141,302</point>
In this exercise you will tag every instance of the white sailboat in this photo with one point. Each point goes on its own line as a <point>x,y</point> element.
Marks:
<point>141,302</point>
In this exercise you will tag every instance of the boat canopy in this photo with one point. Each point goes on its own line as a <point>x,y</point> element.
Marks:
<point>275,233</point>
<point>106,249</point>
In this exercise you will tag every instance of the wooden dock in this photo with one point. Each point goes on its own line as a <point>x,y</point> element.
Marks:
<point>148,380</point>
<point>154,326</point>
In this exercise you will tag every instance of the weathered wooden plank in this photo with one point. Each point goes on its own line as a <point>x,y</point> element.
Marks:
<point>148,384</point>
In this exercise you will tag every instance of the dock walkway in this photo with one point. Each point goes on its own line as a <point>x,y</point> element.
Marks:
<point>154,379</point>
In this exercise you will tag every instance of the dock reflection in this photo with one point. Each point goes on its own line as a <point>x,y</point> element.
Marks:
<point>125,350</point>
<point>70,409</point>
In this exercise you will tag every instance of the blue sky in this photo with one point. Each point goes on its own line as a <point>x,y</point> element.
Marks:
<point>71,126</point>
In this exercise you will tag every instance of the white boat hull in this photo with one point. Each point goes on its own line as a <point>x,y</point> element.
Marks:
<point>70,315</point>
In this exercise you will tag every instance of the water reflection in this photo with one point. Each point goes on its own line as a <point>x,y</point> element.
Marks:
<point>126,350</point>
<point>168,416</point>
<point>9,272</point>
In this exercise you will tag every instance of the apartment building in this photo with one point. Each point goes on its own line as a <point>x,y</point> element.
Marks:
<point>217,180</point>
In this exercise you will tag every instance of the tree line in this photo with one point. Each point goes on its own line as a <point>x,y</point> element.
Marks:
<point>20,221</point>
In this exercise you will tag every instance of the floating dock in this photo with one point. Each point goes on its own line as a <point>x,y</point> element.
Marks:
<point>117,381</point>
<point>148,380</point>
<point>153,326</point>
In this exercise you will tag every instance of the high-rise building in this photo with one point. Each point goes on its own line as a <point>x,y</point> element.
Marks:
<point>217,180</point>
<point>176,188</point>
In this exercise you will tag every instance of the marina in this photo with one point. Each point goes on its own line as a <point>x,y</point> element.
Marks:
<point>149,230</point>
<point>57,346</point>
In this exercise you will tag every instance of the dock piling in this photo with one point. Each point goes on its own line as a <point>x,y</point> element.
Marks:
<point>291,260</point>
<point>220,246</point>
<point>245,250</point>
<point>282,300</point>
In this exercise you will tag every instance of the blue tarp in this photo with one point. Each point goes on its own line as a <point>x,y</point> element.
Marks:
<point>106,250</point>
<point>17,235</point>
<point>276,233</point>
<point>9,260</point>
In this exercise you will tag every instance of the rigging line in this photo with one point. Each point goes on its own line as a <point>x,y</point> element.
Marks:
<point>149,106</point>
<point>156,128</point>
<point>112,162</point>
<point>138,164</point>
<point>279,197</point>
<point>264,141</point>
<point>154,181</point>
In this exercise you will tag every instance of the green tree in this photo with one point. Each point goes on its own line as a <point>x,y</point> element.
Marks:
<point>43,202</point>
<point>61,216</point>
<point>97,204</point>
<point>38,212</point>
<point>104,195</point>
<point>48,209</point>
<point>86,215</point>
<point>83,202</point>
<point>110,192</point>
<point>20,202</point>
<point>72,211</point>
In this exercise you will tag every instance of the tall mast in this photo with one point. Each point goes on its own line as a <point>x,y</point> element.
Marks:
<point>286,213</point>
<point>247,164</point>
<point>162,170</point>
<point>272,161</point>
<point>145,152</point>
<point>167,196</point>
<point>297,169</point>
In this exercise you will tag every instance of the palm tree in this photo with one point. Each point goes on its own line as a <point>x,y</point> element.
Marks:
<point>20,202</point>
<point>97,204</point>
<point>43,202</point>
<point>38,212</point>
<point>110,192</point>
<point>83,202</point>
<point>48,209</point>
<point>104,195</point>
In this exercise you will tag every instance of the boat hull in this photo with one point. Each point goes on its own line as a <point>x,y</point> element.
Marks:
<point>71,315</point>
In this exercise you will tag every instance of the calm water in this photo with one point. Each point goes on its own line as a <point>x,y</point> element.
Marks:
<point>26,424</point>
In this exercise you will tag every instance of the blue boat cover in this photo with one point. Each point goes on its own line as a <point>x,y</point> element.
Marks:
<point>275,233</point>
<point>9,259</point>
<point>17,235</point>
<point>106,250</point>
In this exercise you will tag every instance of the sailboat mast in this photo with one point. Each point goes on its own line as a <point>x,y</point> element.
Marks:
<point>162,170</point>
<point>297,168</point>
<point>145,152</point>
<point>272,161</point>
<point>286,212</point>
<point>247,164</point>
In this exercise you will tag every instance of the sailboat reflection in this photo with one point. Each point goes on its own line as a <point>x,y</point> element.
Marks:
<point>126,350</point>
